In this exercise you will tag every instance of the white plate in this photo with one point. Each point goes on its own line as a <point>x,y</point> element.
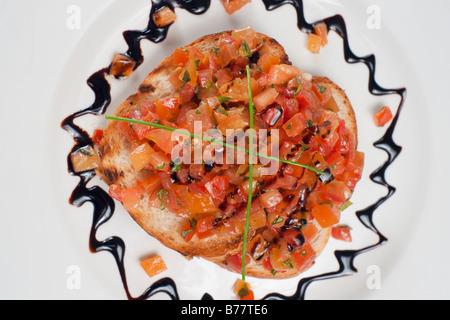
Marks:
<point>102,38</point>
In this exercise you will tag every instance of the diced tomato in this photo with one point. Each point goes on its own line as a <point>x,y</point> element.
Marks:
<point>131,199</point>
<point>266,61</point>
<point>180,57</point>
<point>127,130</point>
<point>280,256</point>
<point>356,164</point>
<point>187,93</point>
<point>337,163</point>
<point>258,220</point>
<point>205,77</point>
<point>283,73</point>
<point>176,78</point>
<point>383,116</point>
<point>273,115</point>
<point>153,266</point>
<point>178,198</point>
<point>140,156</point>
<point>122,66</point>
<point>275,219</point>
<point>314,43</point>
<point>188,231</point>
<point>331,104</point>
<point>294,238</point>
<point>116,192</point>
<point>304,257</point>
<point>235,261</point>
<point>233,123</point>
<point>167,109</point>
<point>217,186</point>
<point>227,54</point>
<point>310,231</point>
<point>243,290</point>
<point>271,198</point>
<point>303,99</point>
<point>322,31</point>
<point>205,227</point>
<point>201,204</point>
<point>295,125</point>
<point>350,179</point>
<point>267,265</point>
<point>265,98</point>
<point>214,63</point>
<point>341,233</point>
<point>164,17</point>
<point>326,214</point>
<point>231,6</point>
<point>97,136</point>
<point>223,77</point>
<point>291,108</point>
<point>151,183</point>
<point>288,182</point>
<point>148,108</point>
<point>163,138</point>
<point>336,192</point>
<point>322,93</point>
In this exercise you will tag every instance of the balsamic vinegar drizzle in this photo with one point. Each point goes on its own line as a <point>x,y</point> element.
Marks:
<point>104,205</point>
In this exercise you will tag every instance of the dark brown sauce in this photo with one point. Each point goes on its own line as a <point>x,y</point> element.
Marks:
<point>104,205</point>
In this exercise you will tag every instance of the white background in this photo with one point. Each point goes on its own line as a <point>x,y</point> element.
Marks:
<point>35,44</point>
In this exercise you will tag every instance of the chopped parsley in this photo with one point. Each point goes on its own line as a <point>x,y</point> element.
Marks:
<point>222,111</point>
<point>223,99</point>
<point>186,78</point>
<point>244,50</point>
<point>300,88</point>
<point>160,167</point>
<point>277,220</point>
<point>321,89</point>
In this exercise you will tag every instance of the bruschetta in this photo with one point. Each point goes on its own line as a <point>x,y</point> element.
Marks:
<point>199,208</point>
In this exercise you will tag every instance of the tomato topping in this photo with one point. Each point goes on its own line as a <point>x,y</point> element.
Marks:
<point>201,204</point>
<point>217,186</point>
<point>283,73</point>
<point>383,116</point>
<point>322,31</point>
<point>235,261</point>
<point>97,136</point>
<point>205,227</point>
<point>231,6</point>
<point>265,98</point>
<point>336,192</point>
<point>153,266</point>
<point>180,57</point>
<point>341,233</point>
<point>164,17</point>
<point>131,199</point>
<point>326,214</point>
<point>211,96</point>
<point>243,290</point>
<point>304,257</point>
<point>122,66</point>
<point>271,198</point>
<point>314,43</point>
<point>295,125</point>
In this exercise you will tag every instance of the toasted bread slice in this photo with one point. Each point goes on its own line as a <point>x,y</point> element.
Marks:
<point>116,167</point>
